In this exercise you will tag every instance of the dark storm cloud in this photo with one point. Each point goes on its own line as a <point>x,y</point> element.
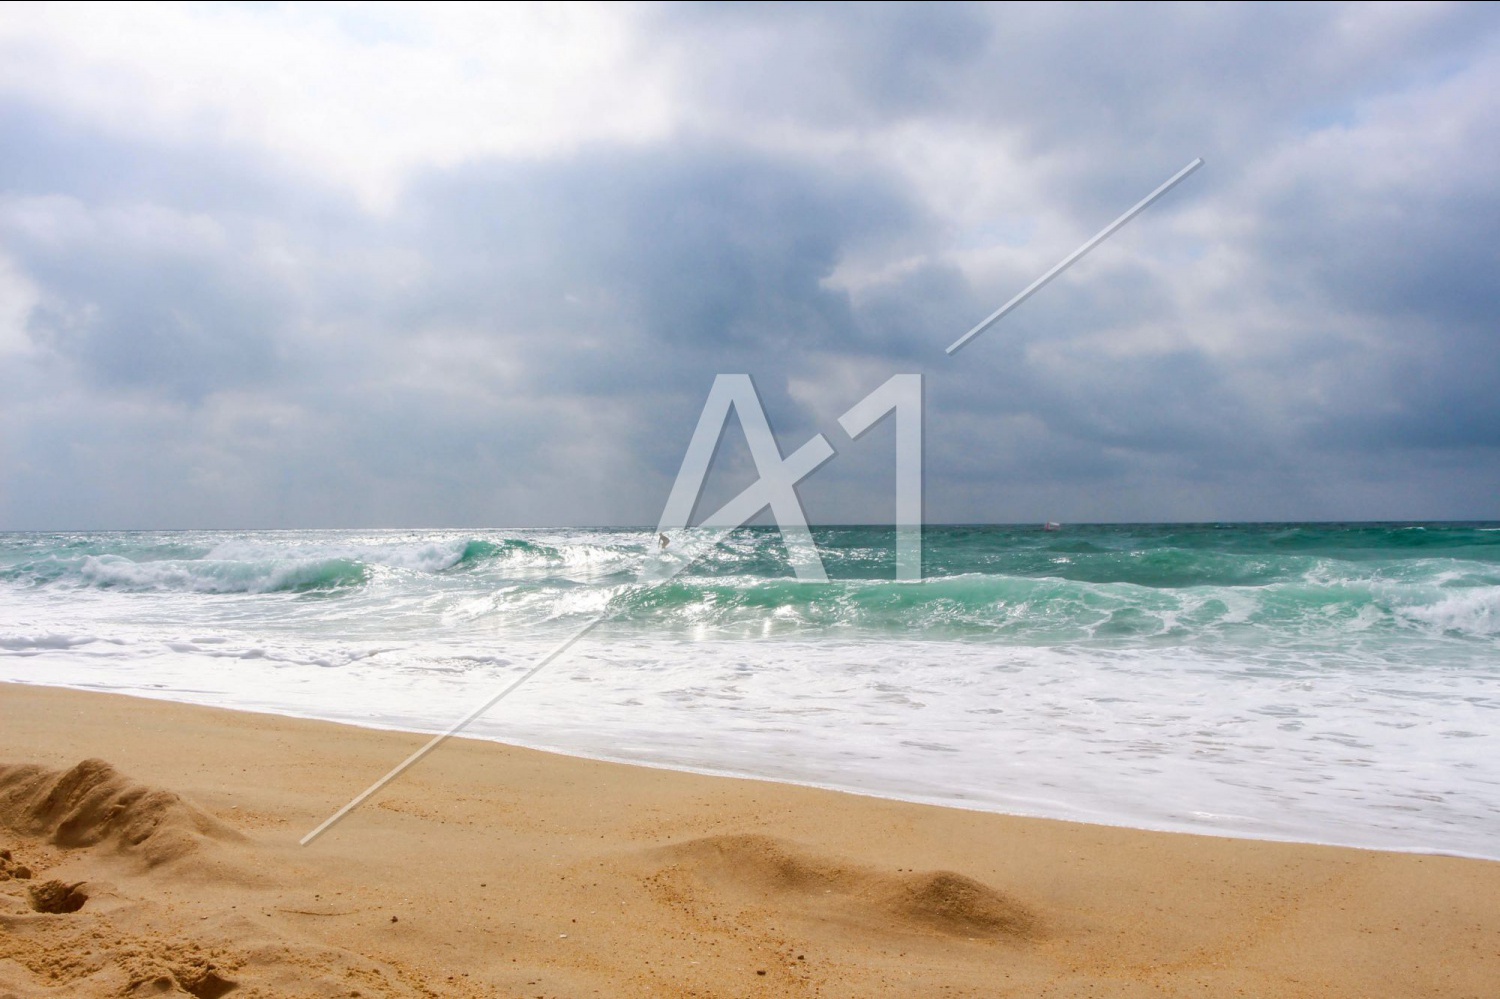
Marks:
<point>1397,239</point>
<point>151,259</point>
<point>909,316</point>
<point>641,274</point>
<point>694,248</point>
<point>1072,77</point>
<point>616,278</point>
<point>137,299</point>
<point>1306,328</point>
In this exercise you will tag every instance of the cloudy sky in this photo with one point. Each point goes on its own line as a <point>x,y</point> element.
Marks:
<point>328,265</point>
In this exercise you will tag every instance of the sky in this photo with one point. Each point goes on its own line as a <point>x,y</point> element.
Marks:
<point>357,265</point>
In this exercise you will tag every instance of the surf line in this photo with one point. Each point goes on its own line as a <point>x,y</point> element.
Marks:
<point>567,643</point>
<point>655,572</point>
<point>452,730</point>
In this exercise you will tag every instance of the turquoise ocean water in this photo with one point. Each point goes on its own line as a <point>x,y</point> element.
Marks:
<point>1324,682</point>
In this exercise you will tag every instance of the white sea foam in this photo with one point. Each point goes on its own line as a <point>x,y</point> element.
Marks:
<point>1312,750</point>
<point>1361,709</point>
<point>1466,612</point>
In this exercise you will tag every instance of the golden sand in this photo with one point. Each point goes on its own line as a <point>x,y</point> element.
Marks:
<point>152,850</point>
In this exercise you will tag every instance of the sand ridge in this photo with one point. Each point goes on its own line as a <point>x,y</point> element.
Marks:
<point>102,823</point>
<point>759,869</point>
<point>92,804</point>
<point>119,931</point>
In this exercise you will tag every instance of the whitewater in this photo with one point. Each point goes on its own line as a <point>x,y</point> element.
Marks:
<point>1335,683</point>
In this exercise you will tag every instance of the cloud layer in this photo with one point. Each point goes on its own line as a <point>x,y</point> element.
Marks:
<point>330,266</point>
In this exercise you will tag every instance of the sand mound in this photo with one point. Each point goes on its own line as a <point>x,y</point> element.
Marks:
<point>12,869</point>
<point>957,904</point>
<point>770,868</point>
<point>765,863</point>
<point>193,975</point>
<point>57,896</point>
<point>94,804</point>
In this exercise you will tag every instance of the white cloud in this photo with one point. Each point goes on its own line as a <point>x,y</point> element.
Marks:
<point>362,95</point>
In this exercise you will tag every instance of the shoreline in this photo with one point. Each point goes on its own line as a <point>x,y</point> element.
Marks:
<point>1254,684</point>
<point>931,801</point>
<point>490,870</point>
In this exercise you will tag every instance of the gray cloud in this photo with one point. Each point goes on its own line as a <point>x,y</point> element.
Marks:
<point>1305,329</point>
<point>144,298</point>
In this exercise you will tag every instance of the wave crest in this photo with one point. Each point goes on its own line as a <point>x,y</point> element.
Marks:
<point>221,576</point>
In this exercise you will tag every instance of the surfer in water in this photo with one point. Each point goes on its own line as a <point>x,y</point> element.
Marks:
<point>663,540</point>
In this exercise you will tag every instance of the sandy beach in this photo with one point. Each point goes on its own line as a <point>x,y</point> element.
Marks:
<point>172,833</point>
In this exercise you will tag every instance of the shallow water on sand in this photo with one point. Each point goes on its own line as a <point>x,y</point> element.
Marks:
<point>1333,683</point>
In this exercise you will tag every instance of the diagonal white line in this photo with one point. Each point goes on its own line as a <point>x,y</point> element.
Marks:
<point>1072,258</point>
<point>650,575</point>
<point>453,730</point>
<point>716,536</point>
<point>735,513</point>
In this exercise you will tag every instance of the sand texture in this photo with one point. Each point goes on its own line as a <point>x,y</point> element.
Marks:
<point>149,848</point>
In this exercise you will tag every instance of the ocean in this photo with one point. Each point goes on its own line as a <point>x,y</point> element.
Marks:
<point>1333,683</point>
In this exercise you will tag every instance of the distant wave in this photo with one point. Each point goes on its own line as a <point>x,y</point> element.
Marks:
<point>115,572</point>
<point>1118,584</point>
<point>476,553</point>
<point>1050,610</point>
